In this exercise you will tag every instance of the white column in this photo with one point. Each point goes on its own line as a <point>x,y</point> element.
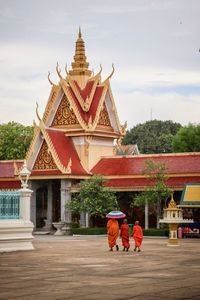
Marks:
<point>146,215</point>
<point>82,220</point>
<point>33,186</point>
<point>65,198</point>
<point>87,220</point>
<point>25,205</point>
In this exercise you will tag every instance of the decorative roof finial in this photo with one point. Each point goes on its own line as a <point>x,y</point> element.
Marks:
<point>79,33</point>
<point>80,64</point>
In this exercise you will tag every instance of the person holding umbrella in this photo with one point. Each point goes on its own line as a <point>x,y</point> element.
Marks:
<point>113,228</point>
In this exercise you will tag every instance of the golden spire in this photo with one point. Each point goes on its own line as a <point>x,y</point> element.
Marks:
<point>79,33</point>
<point>80,65</point>
<point>172,203</point>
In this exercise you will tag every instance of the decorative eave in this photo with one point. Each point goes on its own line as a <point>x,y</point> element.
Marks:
<point>39,175</point>
<point>90,126</point>
<point>31,149</point>
<point>85,104</point>
<point>65,170</point>
<point>98,133</point>
<point>51,101</point>
<point>122,129</point>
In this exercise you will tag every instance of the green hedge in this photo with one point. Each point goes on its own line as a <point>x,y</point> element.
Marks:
<point>97,231</point>
<point>156,232</point>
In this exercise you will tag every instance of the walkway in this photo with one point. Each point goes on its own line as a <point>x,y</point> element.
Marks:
<point>83,268</point>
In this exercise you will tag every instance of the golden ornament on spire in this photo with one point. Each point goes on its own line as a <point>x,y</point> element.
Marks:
<point>80,65</point>
<point>172,203</point>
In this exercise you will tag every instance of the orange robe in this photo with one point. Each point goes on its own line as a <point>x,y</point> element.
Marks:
<point>138,235</point>
<point>113,232</point>
<point>125,235</point>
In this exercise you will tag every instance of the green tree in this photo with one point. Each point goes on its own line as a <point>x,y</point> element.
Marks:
<point>187,139</point>
<point>158,192</point>
<point>94,198</point>
<point>15,139</point>
<point>152,136</point>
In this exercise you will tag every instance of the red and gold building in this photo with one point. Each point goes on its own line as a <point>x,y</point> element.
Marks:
<point>76,138</point>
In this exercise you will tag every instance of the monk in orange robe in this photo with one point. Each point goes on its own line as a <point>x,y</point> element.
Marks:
<point>113,233</point>
<point>125,235</point>
<point>137,235</point>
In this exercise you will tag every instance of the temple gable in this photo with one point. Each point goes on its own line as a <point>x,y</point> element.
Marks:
<point>65,115</point>
<point>44,159</point>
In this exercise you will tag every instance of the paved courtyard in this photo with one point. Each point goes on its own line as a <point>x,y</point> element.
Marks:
<point>83,268</point>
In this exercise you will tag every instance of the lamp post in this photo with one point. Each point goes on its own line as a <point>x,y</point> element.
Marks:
<point>24,176</point>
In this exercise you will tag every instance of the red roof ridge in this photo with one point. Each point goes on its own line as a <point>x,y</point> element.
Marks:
<point>169,154</point>
<point>11,160</point>
<point>153,155</point>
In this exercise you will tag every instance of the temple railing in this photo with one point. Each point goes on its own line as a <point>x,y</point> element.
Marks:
<point>9,205</point>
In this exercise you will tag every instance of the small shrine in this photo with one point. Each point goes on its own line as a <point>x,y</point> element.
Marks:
<point>173,216</point>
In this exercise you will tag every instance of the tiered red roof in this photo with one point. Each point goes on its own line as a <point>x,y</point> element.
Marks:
<point>86,93</point>
<point>183,163</point>
<point>124,172</point>
<point>65,150</point>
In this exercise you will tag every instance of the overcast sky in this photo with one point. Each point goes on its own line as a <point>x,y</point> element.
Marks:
<point>154,45</point>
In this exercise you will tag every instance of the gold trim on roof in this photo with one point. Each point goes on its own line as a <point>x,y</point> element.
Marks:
<point>53,151</point>
<point>51,101</point>
<point>31,149</point>
<point>85,104</point>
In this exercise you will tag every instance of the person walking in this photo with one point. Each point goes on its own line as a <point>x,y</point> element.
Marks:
<point>113,233</point>
<point>124,234</point>
<point>137,234</point>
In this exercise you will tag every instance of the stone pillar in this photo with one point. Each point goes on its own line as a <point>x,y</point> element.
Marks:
<point>33,186</point>
<point>146,215</point>
<point>65,214</point>
<point>65,198</point>
<point>25,205</point>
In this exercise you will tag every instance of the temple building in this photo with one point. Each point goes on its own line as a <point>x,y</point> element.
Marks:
<point>76,138</point>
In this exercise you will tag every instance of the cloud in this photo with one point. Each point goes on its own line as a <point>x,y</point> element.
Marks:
<point>153,44</point>
<point>169,106</point>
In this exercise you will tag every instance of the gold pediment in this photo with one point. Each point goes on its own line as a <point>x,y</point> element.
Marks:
<point>64,115</point>
<point>44,160</point>
<point>104,117</point>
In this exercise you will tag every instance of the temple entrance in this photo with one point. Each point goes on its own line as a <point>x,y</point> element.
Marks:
<point>41,206</point>
<point>56,201</point>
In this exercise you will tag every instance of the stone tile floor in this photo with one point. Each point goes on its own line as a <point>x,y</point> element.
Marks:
<point>82,268</point>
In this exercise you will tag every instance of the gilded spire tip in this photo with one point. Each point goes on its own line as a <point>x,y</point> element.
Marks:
<point>79,32</point>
